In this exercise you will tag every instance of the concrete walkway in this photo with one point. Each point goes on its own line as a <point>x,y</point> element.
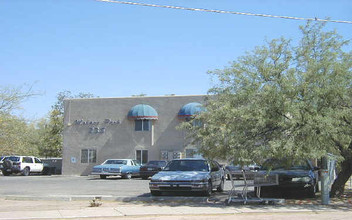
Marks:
<point>17,209</point>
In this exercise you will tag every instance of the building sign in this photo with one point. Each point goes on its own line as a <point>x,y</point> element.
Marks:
<point>96,127</point>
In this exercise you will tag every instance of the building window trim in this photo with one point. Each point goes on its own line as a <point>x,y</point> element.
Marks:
<point>143,125</point>
<point>88,156</point>
<point>142,156</point>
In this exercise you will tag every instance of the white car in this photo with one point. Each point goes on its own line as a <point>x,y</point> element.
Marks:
<point>188,175</point>
<point>21,164</point>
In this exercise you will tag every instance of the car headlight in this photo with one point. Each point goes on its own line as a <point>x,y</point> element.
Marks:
<point>304,179</point>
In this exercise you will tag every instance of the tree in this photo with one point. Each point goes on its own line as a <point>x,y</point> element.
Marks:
<point>283,101</point>
<point>51,129</point>
<point>17,136</point>
<point>12,97</point>
<point>61,96</point>
<point>51,135</point>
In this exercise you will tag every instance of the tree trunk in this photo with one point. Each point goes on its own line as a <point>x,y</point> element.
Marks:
<point>338,187</point>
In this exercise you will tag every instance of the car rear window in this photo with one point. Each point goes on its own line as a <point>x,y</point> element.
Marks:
<point>13,159</point>
<point>116,162</point>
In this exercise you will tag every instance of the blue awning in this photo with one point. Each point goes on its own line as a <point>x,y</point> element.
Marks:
<point>141,111</point>
<point>190,110</point>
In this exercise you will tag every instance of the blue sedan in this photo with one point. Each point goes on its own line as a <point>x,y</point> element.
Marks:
<point>126,168</point>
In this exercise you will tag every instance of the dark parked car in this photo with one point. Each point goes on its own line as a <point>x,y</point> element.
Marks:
<point>189,175</point>
<point>297,177</point>
<point>151,168</point>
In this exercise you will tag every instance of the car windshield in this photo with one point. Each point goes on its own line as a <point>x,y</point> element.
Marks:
<point>116,162</point>
<point>13,159</point>
<point>284,165</point>
<point>187,165</point>
<point>157,163</point>
<point>137,162</point>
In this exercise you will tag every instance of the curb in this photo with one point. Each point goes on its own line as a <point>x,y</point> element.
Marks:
<point>165,199</point>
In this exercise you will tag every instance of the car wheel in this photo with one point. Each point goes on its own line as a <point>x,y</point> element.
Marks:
<point>127,176</point>
<point>209,190</point>
<point>5,173</point>
<point>8,164</point>
<point>221,186</point>
<point>103,176</point>
<point>26,171</point>
<point>155,193</point>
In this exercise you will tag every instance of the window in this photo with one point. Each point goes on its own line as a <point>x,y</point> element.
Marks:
<point>142,156</point>
<point>88,156</point>
<point>37,160</point>
<point>187,165</point>
<point>142,125</point>
<point>27,160</point>
<point>214,166</point>
<point>136,162</point>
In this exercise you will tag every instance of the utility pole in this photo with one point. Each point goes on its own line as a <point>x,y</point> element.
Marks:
<point>325,181</point>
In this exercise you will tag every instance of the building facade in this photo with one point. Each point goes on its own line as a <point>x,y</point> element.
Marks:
<point>142,128</point>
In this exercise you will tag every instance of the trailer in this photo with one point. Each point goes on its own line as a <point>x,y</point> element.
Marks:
<point>239,191</point>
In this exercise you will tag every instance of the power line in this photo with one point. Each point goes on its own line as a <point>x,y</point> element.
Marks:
<point>225,12</point>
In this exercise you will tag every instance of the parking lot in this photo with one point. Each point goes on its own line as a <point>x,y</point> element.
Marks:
<point>58,186</point>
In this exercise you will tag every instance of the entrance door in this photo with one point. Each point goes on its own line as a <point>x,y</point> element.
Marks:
<point>142,156</point>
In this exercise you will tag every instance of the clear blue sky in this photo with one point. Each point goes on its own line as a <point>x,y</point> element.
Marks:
<point>114,50</point>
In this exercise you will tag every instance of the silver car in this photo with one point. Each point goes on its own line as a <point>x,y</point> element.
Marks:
<point>188,175</point>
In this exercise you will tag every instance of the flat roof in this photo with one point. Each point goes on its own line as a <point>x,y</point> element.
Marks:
<point>137,97</point>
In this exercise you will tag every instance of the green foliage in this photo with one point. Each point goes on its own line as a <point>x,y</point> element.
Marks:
<point>17,137</point>
<point>51,135</point>
<point>281,101</point>
<point>51,129</point>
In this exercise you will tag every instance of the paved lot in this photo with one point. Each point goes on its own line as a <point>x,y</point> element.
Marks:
<point>71,185</point>
<point>69,197</point>
<point>77,186</point>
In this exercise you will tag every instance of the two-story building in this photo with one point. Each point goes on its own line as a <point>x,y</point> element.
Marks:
<point>142,128</point>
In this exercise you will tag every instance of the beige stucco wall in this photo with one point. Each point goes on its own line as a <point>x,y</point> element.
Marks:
<point>119,139</point>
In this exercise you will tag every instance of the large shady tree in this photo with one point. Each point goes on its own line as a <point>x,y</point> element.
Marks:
<point>283,101</point>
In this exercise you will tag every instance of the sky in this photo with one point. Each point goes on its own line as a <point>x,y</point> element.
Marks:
<point>118,50</point>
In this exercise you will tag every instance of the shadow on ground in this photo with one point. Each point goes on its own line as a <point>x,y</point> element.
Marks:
<point>219,200</point>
